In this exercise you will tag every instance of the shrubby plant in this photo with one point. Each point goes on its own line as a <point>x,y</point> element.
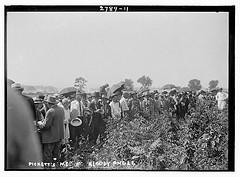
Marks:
<point>197,142</point>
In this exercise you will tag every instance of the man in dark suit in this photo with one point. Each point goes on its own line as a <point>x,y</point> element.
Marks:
<point>52,130</point>
<point>97,121</point>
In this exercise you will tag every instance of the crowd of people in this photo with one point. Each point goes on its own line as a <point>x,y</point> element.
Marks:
<point>60,120</point>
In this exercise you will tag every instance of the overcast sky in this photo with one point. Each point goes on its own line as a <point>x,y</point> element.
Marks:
<point>55,48</point>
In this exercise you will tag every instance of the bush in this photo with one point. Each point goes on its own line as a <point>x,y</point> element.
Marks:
<point>197,142</point>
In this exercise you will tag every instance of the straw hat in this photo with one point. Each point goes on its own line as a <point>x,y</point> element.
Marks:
<point>96,94</point>
<point>76,122</point>
<point>51,99</point>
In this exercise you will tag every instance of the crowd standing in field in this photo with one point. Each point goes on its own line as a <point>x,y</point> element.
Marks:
<point>63,120</point>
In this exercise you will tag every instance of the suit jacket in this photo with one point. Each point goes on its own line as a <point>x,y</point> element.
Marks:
<point>53,130</point>
<point>94,106</point>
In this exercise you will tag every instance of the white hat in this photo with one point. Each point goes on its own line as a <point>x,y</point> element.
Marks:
<point>76,122</point>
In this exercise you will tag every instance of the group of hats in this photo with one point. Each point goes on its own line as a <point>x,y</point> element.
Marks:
<point>50,99</point>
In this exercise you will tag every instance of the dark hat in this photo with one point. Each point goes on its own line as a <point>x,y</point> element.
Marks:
<point>164,92</point>
<point>133,93</point>
<point>86,109</point>
<point>41,97</point>
<point>139,96</point>
<point>51,99</point>
<point>84,94</point>
<point>89,95</point>
<point>104,96</point>
<point>95,94</point>
<point>37,100</point>
<point>17,86</point>
<point>116,93</point>
<point>78,92</point>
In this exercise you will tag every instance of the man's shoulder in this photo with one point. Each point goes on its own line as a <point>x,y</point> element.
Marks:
<point>57,107</point>
<point>50,110</point>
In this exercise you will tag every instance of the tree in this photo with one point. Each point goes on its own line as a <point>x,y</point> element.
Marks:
<point>194,84</point>
<point>80,83</point>
<point>128,84</point>
<point>145,81</point>
<point>213,84</point>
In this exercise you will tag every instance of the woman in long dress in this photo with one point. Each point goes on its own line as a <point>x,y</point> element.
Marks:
<point>65,103</point>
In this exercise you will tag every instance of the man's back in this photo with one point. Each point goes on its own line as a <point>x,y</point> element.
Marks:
<point>53,130</point>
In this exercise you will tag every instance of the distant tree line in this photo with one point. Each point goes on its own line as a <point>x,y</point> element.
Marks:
<point>146,82</point>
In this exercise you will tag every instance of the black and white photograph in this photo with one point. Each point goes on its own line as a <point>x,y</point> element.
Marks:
<point>119,88</point>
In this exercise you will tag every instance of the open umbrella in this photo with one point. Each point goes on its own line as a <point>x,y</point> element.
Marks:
<point>173,91</point>
<point>115,88</point>
<point>214,89</point>
<point>185,89</point>
<point>68,91</point>
<point>142,90</point>
<point>168,87</point>
<point>102,89</point>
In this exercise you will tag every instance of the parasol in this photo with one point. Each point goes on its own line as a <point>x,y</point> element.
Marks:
<point>185,89</point>
<point>102,89</point>
<point>173,91</point>
<point>115,88</point>
<point>142,90</point>
<point>168,86</point>
<point>164,92</point>
<point>214,89</point>
<point>68,91</point>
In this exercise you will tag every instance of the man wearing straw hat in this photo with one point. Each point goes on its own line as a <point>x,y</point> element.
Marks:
<point>52,130</point>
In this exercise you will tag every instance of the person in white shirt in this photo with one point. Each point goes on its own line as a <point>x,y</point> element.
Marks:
<point>115,106</point>
<point>221,98</point>
<point>76,110</point>
<point>124,104</point>
<point>77,104</point>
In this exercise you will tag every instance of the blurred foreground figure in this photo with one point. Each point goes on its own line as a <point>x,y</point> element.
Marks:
<point>23,146</point>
